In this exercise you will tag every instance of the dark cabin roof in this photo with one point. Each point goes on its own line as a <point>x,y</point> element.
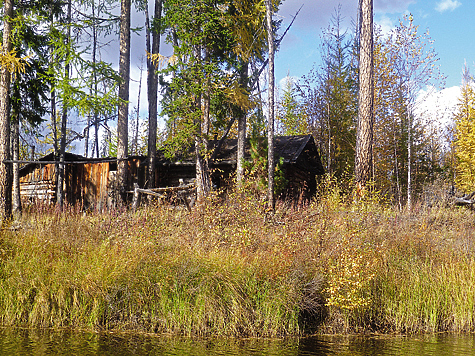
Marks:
<point>296,150</point>
<point>50,158</point>
<point>300,150</point>
<point>70,158</point>
<point>288,147</point>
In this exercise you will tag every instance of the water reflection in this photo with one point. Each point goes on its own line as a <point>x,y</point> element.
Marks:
<point>21,342</point>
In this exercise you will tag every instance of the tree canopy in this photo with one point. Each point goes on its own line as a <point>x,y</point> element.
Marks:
<point>213,86</point>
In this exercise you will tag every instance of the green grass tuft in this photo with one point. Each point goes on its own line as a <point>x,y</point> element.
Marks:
<point>230,269</point>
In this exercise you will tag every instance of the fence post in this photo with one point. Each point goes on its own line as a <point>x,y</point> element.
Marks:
<point>135,200</point>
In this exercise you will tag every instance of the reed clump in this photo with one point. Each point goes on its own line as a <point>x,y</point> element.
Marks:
<point>230,268</point>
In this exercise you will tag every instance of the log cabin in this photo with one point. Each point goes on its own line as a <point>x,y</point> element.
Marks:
<point>91,182</point>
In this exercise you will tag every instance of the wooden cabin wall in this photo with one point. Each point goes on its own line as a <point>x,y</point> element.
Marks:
<point>87,184</point>
<point>301,184</point>
<point>38,185</point>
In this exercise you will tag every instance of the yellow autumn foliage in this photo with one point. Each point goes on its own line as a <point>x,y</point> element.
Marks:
<point>161,61</point>
<point>465,140</point>
<point>13,63</point>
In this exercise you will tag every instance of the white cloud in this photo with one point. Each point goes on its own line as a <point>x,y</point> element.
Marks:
<point>435,111</point>
<point>386,23</point>
<point>436,108</point>
<point>283,81</point>
<point>447,5</point>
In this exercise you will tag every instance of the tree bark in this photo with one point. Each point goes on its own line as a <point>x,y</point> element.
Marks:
<point>241,139</point>
<point>5,168</point>
<point>16,198</point>
<point>135,142</point>
<point>123,112</point>
<point>409,160</point>
<point>53,102</point>
<point>64,123</point>
<point>364,136</point>
<point>203,179</point>
<point>152,91</point>
<point>203,182</point>
<point>96,89</point>
<point>270,119</point>
<point>94,81</point>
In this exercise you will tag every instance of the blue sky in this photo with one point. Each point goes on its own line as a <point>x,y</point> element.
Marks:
<point>451,24</point>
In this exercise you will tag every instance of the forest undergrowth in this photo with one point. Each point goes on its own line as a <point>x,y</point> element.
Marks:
<point>230,268</point>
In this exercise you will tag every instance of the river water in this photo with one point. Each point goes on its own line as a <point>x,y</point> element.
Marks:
<point>16,342</point>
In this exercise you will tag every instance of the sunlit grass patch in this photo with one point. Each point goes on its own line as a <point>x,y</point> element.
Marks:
<point>229,268</point>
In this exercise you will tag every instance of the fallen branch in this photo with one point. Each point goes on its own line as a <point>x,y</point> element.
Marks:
<point>157,193</point>
<point>463,201</point>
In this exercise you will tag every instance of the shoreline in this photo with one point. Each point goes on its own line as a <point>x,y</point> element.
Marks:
<point>225,270</point>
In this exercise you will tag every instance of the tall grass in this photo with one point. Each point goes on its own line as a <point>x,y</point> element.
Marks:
<point>230,268</point>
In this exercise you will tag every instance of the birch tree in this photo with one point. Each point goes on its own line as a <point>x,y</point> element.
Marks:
<point>270,103</point>
<point>415,62</point>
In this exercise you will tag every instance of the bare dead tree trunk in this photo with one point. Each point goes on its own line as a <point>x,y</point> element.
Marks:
<point>54,128</point>
<point>96,137</point>
<point>16,198</point>
<point>364,136</point>
<point>329,144</point>
<point>137,121</point>
<point>123,114</point>
<point>396,170</point>
<point>409,160</point>
<point>203,184</point>
<point>5,168</point>
<point>152,91</point>
<point>53,124</point>
<point>86,136</point>
<point>203,179</point>
<point>64,123</point>
<point>202,163</point>
<point>96,90</point>
<point>270,119</point>
<point>242,124</point>
<point>53,106</point>
<point>94,81</point>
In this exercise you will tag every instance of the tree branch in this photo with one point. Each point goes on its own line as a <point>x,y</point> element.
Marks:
<point>252,88</point>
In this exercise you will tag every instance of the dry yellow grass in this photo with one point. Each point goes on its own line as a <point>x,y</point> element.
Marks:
<point>229,268</point>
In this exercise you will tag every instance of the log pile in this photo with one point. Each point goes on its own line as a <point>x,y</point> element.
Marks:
<point>182,192</point>
<point>441,194</point>
<point>466,200</point>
